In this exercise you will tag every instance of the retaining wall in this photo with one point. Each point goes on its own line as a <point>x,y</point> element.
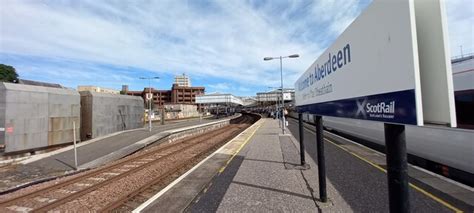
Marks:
<point>33,117</point>
<point>103,114</point>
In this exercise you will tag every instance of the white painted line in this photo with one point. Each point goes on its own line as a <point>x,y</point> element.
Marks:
<point>171,185</point>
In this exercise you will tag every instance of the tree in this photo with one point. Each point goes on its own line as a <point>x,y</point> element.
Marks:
<point>8,74</point>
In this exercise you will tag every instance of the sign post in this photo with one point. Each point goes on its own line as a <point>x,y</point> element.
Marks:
<point>397,167</point>
<point>75,149</point>
<point>321,160</point>
<point>301,133</point>
<point>149,97</point>
<point>377,70</point>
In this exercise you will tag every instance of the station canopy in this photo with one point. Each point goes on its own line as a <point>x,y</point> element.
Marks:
<point>218,98</point>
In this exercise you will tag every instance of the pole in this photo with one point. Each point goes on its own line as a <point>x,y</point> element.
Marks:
<point>283,122</point>
<point>321,161</point>
<point>149,105</point>
<point>162,115</point>
<point>300,124</point>
<point>397,168</point>
<point>75,149</point>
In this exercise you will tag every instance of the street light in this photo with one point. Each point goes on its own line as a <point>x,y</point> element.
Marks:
<point>151,99</point>
<point>281,75</point>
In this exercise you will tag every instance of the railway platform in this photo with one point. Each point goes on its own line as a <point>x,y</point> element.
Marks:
<point>259,171</point>
<point>92,153</point>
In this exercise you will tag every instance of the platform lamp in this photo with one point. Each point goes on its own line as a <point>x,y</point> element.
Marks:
<point>283,122</point>
<point>150,99</point>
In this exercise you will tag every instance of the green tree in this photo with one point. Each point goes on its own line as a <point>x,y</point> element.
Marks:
<point>8,73</point>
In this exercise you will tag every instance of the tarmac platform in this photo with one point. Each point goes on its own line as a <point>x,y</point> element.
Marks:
<point>259,171</point>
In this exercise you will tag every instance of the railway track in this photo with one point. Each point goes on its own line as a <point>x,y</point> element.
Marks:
<point>111,186</point>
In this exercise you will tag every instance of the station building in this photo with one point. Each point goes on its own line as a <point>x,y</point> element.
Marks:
<point>219,103</point>
<point>274,96</point>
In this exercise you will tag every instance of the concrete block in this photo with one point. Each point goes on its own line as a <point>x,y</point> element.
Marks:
<point>38,116</point>
<point>103,114</point>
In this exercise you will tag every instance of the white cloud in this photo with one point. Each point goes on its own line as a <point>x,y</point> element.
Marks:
<point>460,26</point>
<point>207,39</point>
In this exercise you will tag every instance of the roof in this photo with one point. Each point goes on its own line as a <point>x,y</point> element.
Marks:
<point>39,83</point>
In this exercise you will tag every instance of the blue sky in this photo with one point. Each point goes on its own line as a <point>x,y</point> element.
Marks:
<point>219,43</point>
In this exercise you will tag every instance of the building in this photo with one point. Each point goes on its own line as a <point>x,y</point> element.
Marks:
<point>218,103</point>
<point>217,98</point>
<point>249,101</point>
<point>275,95</point>
<point>97,89</point>
<point>177,95</point>
<point>182,80</point>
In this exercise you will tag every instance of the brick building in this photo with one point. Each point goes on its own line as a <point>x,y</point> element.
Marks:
<point>177,95</point>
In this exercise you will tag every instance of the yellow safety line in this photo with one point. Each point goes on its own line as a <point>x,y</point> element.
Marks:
<point>439,200</point>
<point>240,148</point>
<point>411,184</point>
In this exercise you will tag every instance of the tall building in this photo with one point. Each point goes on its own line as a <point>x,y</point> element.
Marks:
<point>182,80</point>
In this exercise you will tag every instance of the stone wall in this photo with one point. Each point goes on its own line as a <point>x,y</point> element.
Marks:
<point>33,117</point>
<point>103,114</point>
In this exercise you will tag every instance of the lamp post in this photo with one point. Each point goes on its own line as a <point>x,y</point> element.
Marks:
<point>150,100</point>
<point>283,122</point>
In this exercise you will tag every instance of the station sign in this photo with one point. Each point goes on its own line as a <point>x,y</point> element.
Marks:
<point>149,96</point>
<point>371,71</point>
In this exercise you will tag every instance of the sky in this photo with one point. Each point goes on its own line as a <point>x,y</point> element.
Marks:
<point>220,44</point>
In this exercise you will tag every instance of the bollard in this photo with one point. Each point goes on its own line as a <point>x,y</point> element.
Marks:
<point>301,127</point>
<point>397,167</point>
<point>75,149</point>
<point>321,161</point>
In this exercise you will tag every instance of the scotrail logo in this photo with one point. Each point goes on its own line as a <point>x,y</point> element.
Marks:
<point>381,109</point>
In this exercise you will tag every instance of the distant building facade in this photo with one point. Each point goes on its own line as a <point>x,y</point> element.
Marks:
<point>177,95</point>
<point>97,89</point>
<point>275,95</point>
<point>182,80</point>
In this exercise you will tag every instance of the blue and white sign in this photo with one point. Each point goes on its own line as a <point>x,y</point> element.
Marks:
<point>370,72</point>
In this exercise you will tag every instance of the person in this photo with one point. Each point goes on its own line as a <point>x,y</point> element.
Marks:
<point>285,113</point>
<point>272,114</point>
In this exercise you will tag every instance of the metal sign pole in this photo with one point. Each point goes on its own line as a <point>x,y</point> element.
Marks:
<point>300,125</point>
<point>321,160</point>
<point>149,105</point>
<point>397,167</point>
<point>163,115</point>
<point>75,149</point>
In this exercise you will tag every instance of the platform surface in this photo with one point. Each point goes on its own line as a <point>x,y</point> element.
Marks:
<point>265,176</point>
